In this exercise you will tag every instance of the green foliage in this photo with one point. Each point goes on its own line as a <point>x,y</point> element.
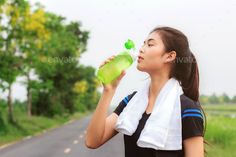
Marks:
<point>220,130</point>
<point>59,66</point>
<point>217,99</point>
<point>2,123</point>
<point>9,67</point>
<point>25,126</point>
<point>45,45</point>
<point>221,134</point>
<point>34,42</point>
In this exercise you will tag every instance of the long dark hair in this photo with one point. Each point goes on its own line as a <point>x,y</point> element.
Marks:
<point>185,67</point>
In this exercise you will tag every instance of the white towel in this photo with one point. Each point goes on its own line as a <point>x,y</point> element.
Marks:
<point>163,129</point>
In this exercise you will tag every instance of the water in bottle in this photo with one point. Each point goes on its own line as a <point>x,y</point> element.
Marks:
<point>110,71</point>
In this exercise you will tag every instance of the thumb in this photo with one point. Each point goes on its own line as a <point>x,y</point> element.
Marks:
<point>121,75</point>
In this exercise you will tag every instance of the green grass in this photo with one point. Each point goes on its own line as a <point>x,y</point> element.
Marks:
<point>221,131</point>
<point>220,108</point>
<point>34,125</point>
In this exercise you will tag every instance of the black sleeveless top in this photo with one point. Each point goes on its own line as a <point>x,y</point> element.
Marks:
<point>192,125</point>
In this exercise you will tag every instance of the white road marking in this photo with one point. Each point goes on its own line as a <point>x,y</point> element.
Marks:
<point>76,141</point>
<point>67,150</point>
<point>81,136</point>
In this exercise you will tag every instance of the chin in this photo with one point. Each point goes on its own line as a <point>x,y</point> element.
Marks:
<point>140,68</point>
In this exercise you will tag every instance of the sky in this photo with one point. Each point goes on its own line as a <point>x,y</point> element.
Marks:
<point>210,26</point>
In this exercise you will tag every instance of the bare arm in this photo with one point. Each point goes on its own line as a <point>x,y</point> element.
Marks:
<point>101,126</point>
<point>194,147</point>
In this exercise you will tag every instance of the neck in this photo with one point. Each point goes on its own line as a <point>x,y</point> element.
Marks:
<point>158,80</point>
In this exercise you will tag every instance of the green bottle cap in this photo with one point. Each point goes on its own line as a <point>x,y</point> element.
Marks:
<point>129,44</point>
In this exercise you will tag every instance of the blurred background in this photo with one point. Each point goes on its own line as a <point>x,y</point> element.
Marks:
<point>50,52</point>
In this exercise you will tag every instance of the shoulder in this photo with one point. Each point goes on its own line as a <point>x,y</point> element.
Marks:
<point>124,102</point>
<point>187,102</point>
<point>192,118</point>
<point>190,107</point>
<point>128,97</point>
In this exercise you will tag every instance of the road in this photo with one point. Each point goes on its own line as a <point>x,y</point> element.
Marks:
<point>64,141</point>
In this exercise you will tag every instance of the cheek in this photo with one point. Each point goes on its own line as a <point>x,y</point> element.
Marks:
<point>152,61</point>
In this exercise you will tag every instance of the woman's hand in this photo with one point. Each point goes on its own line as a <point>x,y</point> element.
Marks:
<point>113,85</point>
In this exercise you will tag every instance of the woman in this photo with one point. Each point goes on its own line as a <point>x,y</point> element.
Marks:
<point>165,54</point>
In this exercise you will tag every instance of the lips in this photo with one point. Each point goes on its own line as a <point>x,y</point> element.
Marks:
<point>139,57</point>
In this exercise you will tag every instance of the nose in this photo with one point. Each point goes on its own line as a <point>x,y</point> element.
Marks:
<point>141,50</point>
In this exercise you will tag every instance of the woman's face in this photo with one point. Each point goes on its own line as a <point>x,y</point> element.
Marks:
<point>152,54</point>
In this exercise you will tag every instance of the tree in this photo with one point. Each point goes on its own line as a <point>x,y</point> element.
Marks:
<point>213,99</point>
<point>25,33</point>
<point>86,88</point>
<point>39,43</point>
<point>204,99</point>
<point>224,98</point>
<point>233,100</point>
<point>60,66</point>
<point>35,35</point>
<point>10,36</point>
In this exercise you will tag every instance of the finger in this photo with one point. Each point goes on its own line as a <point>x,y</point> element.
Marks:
<point>112,57</point>
<point>101,65</point>
<point>104,63</point>
<point>107,61</point>
<point>121,75</point>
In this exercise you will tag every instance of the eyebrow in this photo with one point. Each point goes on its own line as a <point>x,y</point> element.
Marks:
<point>149,40</point>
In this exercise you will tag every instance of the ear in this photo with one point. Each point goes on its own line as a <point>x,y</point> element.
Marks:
<point>170,56</point>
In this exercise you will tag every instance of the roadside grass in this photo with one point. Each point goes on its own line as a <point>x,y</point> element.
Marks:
<point>30,126</point>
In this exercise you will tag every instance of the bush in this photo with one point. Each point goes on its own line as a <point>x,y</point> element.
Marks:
<point>2,124</point>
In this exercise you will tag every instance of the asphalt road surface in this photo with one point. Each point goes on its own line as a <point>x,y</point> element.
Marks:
<point>65,141</point>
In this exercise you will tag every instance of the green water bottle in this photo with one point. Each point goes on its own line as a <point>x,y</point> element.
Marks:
<point>110,71</point>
